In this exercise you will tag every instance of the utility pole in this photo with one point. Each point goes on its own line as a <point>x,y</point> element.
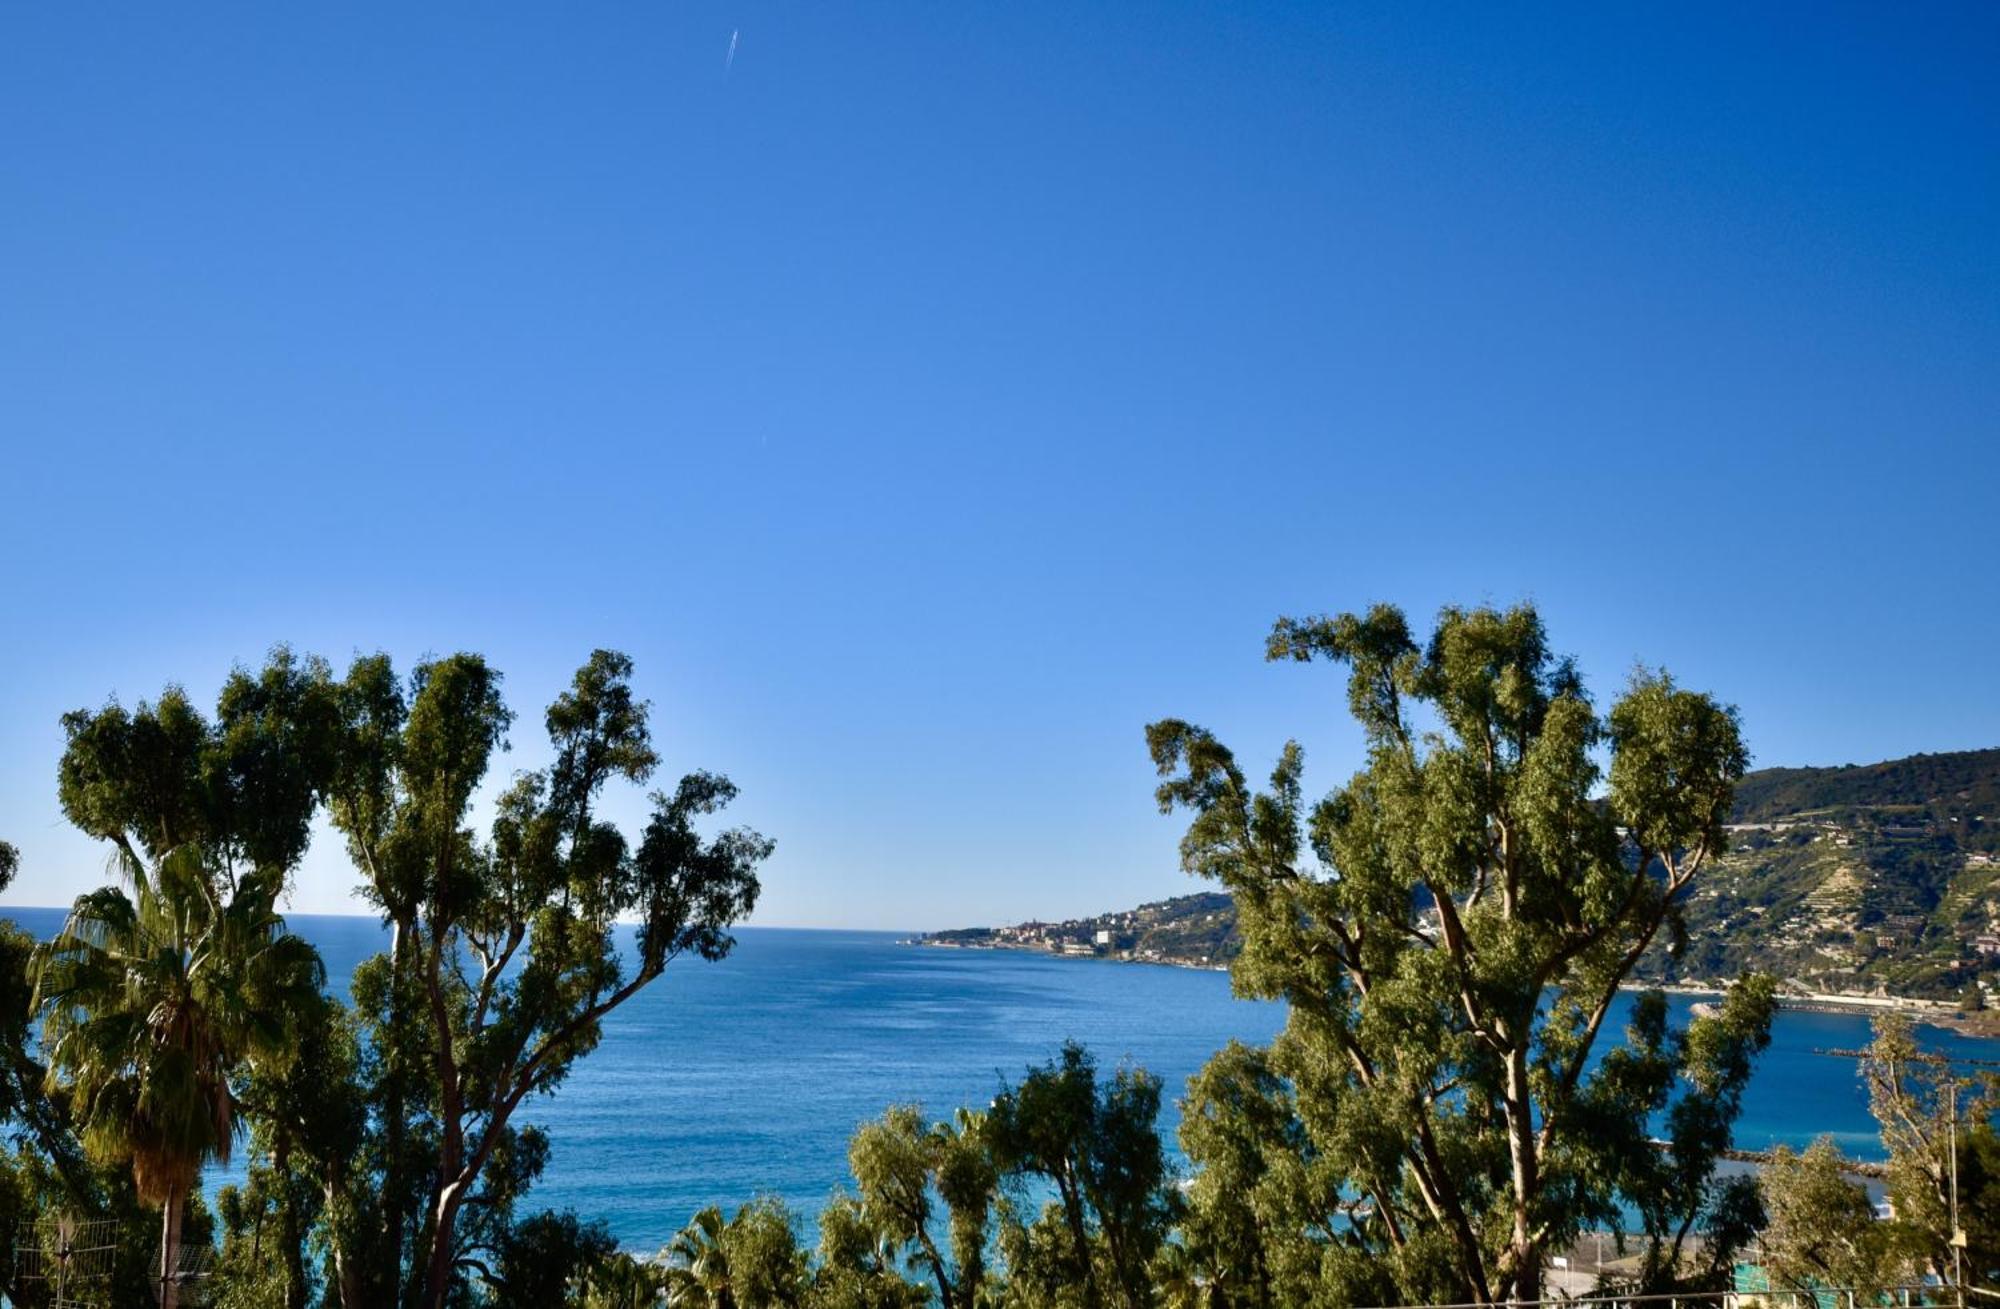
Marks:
<point>1957,1232</point>
<point>65,1230</point>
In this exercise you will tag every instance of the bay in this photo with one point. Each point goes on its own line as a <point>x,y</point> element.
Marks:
<point>726,1081</point>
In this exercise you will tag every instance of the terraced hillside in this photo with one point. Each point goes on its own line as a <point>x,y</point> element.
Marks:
<point>1884,877</point>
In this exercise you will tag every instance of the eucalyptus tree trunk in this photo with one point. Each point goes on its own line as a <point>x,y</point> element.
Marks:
<point>395,1214</point>
<point>289,1235</point>
<point>437,1271</point>
<point>346,1270</point>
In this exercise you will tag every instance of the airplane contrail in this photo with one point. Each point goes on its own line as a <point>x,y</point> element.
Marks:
<point>729,60</point>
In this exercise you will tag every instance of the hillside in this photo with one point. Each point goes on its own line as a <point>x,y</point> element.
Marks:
<point>1883,877</point>
<point>1959,792</point>
<point>1193,930</point>
<point>1874,879</point>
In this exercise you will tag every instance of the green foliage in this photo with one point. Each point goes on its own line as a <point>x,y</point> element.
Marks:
<point>1979,1201</point>
<point>387,1167</point>
<point>1095,1144</point>
<point>967,1178</point>
<point>154,1003</point>
<point>1676,1188</point>
<point>308,1123</point>
<point>1959,789</point>
<point>241,789</point>
<point>37,1121</point>
<point>751,1261</point>
<point>1449,931</point>
<point>858,1264</point>
<point>620,1281</point>
<point>892,1164</point>
<point>547,1259</point>
<point>503,966</point>
<point>1103,1240</point>
<point>1845,879</point>
<point>45,1177</point>
<point>253,1268</point>
<point>903,1168</point>
<point>1820,1229</point>
<point>1921,1105</point>
<point>1253,1163</point>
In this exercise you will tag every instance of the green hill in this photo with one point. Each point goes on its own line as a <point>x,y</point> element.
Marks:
<point>1959,792</point>
<point>1880,877</point>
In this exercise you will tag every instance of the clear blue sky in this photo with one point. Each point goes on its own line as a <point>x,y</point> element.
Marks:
<point>937,393</point>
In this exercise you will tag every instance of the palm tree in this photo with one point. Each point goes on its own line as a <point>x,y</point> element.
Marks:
<point>698,1274</point>
<point>152,1002</point>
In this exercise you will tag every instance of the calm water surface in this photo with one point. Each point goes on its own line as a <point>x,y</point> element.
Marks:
<point>725,1081</point>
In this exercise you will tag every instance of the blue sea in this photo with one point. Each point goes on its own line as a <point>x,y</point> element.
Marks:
<point>726,1081</point>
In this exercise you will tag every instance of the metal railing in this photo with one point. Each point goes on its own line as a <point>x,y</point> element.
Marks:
<point>1928,1296</point>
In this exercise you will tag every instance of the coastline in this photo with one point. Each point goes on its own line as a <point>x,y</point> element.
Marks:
<point>1932,1013</point>
<point>1160,961</point>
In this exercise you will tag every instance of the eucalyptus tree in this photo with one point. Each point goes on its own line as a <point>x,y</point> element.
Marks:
<point>904,1167</point>
<point>1820,1229</point>
<point>1093,1142</point>
<point>308,1125</point>
<point>891,1159</point>
<point>1180,1281</point>
<point>549,1259</point>
<point>1253,1166</point>
<point>1693,1080</point>
<point>503,963</point>
<point>1450,930</point>
<point>1937,1124</point>
<point>967,1179</point>
<point>860,1263</point>
<point>240,790</point>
